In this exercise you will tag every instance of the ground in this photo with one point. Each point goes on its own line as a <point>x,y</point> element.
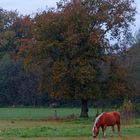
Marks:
<point>40,124</point>
<point>71,138</point>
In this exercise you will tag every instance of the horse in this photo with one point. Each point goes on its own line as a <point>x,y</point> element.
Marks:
<point>104,120</point>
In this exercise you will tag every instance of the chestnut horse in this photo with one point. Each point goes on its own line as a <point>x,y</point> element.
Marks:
<point>104,120</point>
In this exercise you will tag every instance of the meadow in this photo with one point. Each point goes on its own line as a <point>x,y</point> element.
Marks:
<point>42,124</point>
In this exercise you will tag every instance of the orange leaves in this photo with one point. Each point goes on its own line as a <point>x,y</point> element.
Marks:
<point>96,36</point>
<point>59,71</point>
<point>102,14</point>
<point>59,88</point>
<point>23,26</point>
<point>48,26</point>
<point>71,43</point>
<point>117,89</point>
<point>84,72</point>
<point>76,19</point>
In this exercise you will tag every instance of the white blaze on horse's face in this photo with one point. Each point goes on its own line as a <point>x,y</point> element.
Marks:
<point>95,132</point>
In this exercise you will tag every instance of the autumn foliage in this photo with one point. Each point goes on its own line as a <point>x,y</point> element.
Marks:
<point>70,43</point>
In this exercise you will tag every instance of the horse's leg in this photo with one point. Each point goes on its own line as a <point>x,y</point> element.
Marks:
<point>104,134</point>
<point>118,126</point>
<point>112,131</point>
<point>102,130</point>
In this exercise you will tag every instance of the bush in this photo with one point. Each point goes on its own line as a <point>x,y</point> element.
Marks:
<point>137,108</point>
<point>127,110</point>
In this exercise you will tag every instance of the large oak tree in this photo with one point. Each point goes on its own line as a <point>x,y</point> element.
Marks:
<point>70,44</point>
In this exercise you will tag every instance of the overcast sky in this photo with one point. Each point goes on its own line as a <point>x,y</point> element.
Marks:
<point>27,6</point>
<point>32,6</point>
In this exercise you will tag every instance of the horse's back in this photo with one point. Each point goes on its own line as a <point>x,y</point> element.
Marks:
<point>116,113</point>
<point>112,118</point>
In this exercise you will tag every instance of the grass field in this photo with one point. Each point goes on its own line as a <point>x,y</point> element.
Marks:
<point>33,124</point>
<point>39,113</point>
<point>71,138</point>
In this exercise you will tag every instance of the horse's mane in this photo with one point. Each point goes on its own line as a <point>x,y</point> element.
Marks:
<point>97,119</point>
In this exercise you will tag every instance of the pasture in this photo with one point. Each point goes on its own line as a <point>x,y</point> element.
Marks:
<point>40,124</point>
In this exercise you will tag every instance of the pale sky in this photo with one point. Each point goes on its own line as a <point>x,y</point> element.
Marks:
<point>32,6</point>
<point>27,6</point>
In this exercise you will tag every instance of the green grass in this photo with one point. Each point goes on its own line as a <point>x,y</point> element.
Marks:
<point>32,124</point>
<point>38,113</point>
<point>72,138</point>
<point>61,129</point>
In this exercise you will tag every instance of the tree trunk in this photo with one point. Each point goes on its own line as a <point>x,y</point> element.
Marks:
<point>84,108</point>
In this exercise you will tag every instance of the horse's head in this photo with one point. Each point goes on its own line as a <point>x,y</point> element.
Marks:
<point>95,132</point>
<point>96,126</point>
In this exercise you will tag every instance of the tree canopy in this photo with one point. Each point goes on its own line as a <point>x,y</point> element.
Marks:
<point>69,45</point>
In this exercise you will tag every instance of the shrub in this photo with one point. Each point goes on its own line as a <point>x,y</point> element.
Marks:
<point>127,110</point>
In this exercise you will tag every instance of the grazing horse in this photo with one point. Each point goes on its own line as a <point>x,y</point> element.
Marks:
<point>104,120</point>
